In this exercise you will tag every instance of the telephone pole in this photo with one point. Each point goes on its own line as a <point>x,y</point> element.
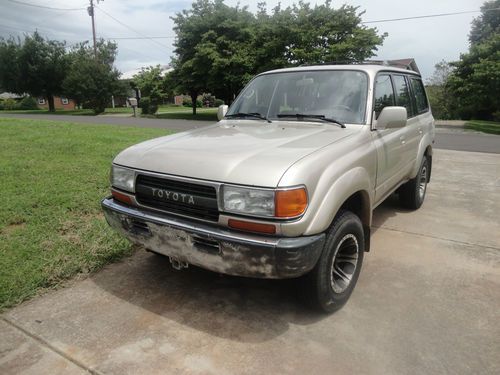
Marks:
<point>90,11</point>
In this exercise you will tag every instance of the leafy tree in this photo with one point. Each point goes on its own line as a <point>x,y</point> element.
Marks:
<point>219,48</point>
<point>439,97</point>
<point>92,81</point>
<point>487,24</point>
<point>302,34</point>
<point>36,66</point>
<point>212,49</point>
<point>152,84</point>
<point>475,83</point>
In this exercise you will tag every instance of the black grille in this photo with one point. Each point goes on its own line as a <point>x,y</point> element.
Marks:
<point>178,197</point>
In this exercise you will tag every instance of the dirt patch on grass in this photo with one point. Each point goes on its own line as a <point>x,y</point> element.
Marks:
<point>13,227</point>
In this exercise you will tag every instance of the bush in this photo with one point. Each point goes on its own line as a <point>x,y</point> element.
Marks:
<point>187,103</point>
<point>208,100</point>
<point>148,107</point>
<point>218,102</point>
<point>10,104</point>
<point>28,103</point>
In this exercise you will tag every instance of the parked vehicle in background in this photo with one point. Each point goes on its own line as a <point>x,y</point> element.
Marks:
<point>284,185</point>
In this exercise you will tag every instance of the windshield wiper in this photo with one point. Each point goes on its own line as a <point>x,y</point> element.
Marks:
<point>318,117</point>
<point>251,114</point>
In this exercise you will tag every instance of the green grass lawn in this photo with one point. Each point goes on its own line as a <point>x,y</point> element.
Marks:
<point>52,177</point>
<point>484,126</point>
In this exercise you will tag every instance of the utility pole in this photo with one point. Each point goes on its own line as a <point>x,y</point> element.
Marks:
<point>90,11</point>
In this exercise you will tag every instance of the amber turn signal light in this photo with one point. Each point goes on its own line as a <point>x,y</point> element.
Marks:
<point>252,227</point>
<point>121,197</point>
<point>290,203</point>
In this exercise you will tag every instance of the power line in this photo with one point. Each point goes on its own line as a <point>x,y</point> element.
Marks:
<point>142,37</point>
<point>128,27</point>
<point>43,6</point>
<point>428,16</point>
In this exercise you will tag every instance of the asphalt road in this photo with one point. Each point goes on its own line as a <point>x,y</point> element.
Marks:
<point>446,138</point>
<point>463,140</point>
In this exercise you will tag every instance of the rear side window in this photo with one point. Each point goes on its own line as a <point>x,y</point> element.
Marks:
<point>420,97</point>
<point>384,93</point>
<point>402,93</point>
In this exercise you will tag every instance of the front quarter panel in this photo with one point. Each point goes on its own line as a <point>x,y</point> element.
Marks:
<point>331,176</point>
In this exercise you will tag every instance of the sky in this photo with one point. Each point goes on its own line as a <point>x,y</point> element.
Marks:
<point>428,40</point>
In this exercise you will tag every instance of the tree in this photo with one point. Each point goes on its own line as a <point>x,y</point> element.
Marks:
<point>36,66</point>
<point>219,48</point>
<point>212,49</point>
<point>302,34</point>
<point>487,24</point>
<point>475,82</point>
<point>92,81</point>
<point>439,96</point>
<point>152,83</point>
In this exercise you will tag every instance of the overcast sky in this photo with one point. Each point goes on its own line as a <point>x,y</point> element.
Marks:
<point>427,40</point>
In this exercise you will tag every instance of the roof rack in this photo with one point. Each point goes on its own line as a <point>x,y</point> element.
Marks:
<point>408,64</point>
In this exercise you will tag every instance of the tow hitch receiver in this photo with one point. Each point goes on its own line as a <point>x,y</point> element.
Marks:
<point>178,264</point>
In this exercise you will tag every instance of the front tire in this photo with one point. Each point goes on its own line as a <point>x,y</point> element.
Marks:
<point>412,193</point>
<point>329,285</point>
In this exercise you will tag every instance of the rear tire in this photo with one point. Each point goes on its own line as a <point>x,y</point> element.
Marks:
<point>412,193</point>
<point>329,285</point>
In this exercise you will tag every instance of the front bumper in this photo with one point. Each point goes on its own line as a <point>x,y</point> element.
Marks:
<point>215,248</point>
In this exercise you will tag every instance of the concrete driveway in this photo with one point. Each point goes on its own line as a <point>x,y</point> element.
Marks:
<point>427,302</point>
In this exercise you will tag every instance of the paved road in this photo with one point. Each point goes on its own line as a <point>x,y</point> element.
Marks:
<point>446,138</point>
<point>462,140</point>
<point>427,302</point>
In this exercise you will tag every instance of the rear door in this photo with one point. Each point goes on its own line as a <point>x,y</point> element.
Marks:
<point>422,110</point>
<point>410,137</point>
<point>388,142</point>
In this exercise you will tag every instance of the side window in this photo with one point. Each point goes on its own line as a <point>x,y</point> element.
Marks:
<point>402,94</point>
<point>419,93</point>
<point>384,94</point>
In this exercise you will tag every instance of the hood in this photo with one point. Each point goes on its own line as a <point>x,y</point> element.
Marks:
<point>235,151</point>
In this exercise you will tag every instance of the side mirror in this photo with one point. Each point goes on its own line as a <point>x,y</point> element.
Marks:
<point>221,111</point>
<point>391,118</point>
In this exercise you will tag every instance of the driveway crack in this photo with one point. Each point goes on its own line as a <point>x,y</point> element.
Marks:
<point>51,347</point>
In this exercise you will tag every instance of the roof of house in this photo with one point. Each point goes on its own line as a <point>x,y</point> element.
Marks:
<point>9,95</point>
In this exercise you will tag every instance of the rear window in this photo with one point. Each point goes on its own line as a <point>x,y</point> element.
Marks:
<point>420,97</point>
<point>402,93</point>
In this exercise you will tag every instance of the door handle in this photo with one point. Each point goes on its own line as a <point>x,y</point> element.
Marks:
<point>402,139</point>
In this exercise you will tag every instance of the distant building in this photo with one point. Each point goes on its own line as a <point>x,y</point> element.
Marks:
<point>60,102</point>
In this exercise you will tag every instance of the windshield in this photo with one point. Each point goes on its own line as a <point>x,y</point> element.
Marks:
<point>336,94</point>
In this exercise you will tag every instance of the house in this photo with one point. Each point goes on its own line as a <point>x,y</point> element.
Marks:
<point>60,102</point>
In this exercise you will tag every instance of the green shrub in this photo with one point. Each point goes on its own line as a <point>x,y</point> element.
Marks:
<point>218,102</point>
<point>10,104</point>
<point>187,103</point>
<point>1,105</point>
<point>148,107</point>
<point>28,103</point>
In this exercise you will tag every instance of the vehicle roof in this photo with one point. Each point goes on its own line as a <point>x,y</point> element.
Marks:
<point>372,69</point>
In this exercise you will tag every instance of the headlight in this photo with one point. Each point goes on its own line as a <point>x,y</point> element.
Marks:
<point>247,201</point>
<point>280,203</point>
<point>122,178</point>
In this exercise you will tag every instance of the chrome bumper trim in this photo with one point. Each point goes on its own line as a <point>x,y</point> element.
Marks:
<point>199,228</point>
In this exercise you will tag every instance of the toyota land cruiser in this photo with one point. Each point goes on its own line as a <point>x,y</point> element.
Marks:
<point>284,185</point>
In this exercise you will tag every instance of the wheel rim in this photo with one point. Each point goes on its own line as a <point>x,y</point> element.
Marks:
<point>422,182</point>
<point>344,263</point>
